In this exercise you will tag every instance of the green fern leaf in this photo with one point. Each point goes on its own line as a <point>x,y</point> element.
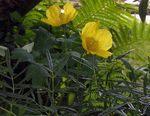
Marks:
<point>128,33</point>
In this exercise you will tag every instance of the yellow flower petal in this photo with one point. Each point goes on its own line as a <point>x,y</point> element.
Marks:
<point>69,13</point>
<point>88,32</point>
<point>68,8</point>
<point>46,21</point>
<point>56,18</point>
<point>96,41</point>
<point>50,22</point>
<point>90,29</point>
<point>83,42</point>
<point>53,11</point>
<point>103,53</point>
<point>104,39</point>
<point>53,15</point>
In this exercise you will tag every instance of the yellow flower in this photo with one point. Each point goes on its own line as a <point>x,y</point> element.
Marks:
<point>96,41</point>
<point>57,16</point>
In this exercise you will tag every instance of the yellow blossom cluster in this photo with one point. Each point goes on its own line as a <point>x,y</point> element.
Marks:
<point>94,40</point>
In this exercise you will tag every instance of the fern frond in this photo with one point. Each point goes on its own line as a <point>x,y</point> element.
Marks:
<point>137,39</point>
<point>105,11</point>
<point>128,33</point>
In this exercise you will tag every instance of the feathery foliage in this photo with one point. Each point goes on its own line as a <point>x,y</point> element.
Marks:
<point>107,12</point>
<point>53,76</point>
<point>128,32</point>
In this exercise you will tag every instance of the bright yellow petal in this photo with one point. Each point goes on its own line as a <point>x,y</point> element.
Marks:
<point>96,41</point>
<point>90,29</point>
<point>46,21</point>
<point>64,19</point>
<point>68,8</point>
<point>103,53</point>
<point>104,39</point>
<point>53,11</point>
<point>88,32</point>
<point>93,47</point>
<point>84,42</point>
<point>50,22</point>
<point>69,13</point>
<point>53,15</point>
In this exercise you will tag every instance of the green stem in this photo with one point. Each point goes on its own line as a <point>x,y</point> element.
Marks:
<point>65,39</point>
<point>7,111</point>
<point>53,89</point>
<point>93,81</point>
<point>8,62</point>
<point>62,1</point>
<point>53,93</point>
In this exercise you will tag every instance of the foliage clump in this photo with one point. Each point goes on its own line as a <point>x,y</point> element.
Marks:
<point>65,67</point>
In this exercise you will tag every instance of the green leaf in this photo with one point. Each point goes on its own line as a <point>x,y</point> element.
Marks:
<point>137,35</point>
<point>43,40</point>
<point>22,55</point>
<point>38,74</point>
<point>143,9</point>
<point>28,47</point>
<point>71,98</point>
<point>3,50</point>
<point>61,64</point>
<point>16,17</point>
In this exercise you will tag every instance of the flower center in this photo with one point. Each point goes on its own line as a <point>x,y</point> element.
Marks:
<point>91,44</point>
<point>62,11</point>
